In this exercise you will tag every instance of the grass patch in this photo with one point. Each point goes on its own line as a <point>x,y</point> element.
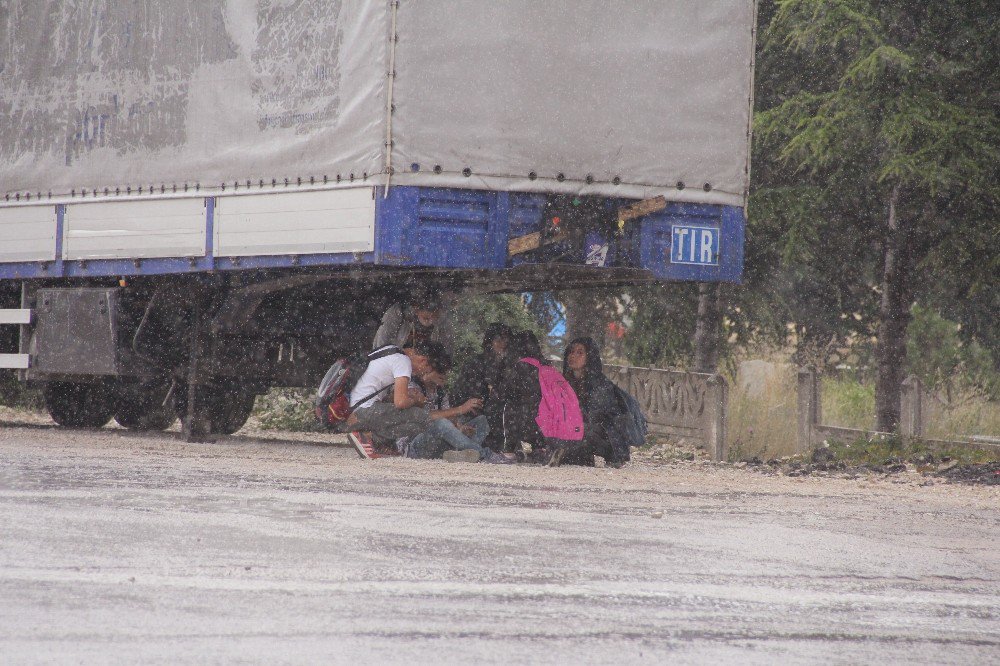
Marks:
<point>848,403</point>
<point>966,414</point>
<point>881,449</point>
<point>762,423</point>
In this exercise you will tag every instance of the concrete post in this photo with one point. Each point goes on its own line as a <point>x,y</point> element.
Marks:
<point>809,411</point>
<point>911,417</point>
<point>716,406</point>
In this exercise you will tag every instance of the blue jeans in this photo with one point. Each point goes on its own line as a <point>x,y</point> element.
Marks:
<point>442,435</point>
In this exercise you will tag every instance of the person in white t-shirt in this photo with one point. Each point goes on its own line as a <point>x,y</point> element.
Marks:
<point>390,411</point>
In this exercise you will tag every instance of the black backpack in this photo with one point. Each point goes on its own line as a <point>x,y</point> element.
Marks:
<point>629,426</point>
<point>333,399</point>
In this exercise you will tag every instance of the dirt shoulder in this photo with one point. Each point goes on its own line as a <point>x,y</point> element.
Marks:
<point>651,471</point>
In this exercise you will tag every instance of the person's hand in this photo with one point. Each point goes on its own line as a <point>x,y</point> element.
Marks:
<point>467,430</point>
<point>471,405</point>
<point>417,397</point>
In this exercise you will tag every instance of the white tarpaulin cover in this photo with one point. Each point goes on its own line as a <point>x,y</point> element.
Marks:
<point>132,93</point>
<point>654,92</point>
<point>106,93</point>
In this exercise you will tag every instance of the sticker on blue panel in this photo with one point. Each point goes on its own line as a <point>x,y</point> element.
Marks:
<point>694,245</point>
<point>597,250</point>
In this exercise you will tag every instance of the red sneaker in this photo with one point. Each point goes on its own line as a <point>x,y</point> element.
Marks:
<point>363,443</point>
<point>367,448</point>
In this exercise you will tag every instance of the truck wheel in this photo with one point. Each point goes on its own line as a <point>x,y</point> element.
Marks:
<point>224,405</point>
<point>230,408</point>
<point>140,407</point>
<point>79,405</point>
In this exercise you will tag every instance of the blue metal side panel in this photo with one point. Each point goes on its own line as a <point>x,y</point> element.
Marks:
<point>452,228</point>
<point>655,243</point>
<point>525,218</point>
<point>526,213</point>
<point>286,261</point>
<point>209,228</point>
<point>446,228</point>
<point>392,218</point>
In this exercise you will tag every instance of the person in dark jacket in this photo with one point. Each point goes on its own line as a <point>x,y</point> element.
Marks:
<point>583,368</point>
<point>480,378</point>
<point>521,394</point>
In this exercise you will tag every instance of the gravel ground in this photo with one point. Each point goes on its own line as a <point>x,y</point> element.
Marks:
<point>123,547</point>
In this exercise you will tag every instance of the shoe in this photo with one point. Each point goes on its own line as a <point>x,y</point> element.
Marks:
<point>461,455</point>
<point>493,458</point>
<point>364,444</point>
<point>555,457</point>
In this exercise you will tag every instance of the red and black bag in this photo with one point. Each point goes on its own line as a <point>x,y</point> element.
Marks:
<point>333,399</point>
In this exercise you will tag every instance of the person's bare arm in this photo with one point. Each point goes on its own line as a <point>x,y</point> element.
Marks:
<point>470,405</point>
<point>401,396</point>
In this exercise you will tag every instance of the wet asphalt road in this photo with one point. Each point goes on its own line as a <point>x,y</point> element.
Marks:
<point>117,547</point>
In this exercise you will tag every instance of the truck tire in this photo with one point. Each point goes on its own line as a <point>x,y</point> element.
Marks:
<point>141,407</point>
<point>79,405</point>
<point>226,405</point>
<point>230,408</point>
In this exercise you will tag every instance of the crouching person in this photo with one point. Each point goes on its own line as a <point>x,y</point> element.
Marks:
<point>540,407</point>
<point>390,411</point>
<point>439,439</point>
<point>613,419</point>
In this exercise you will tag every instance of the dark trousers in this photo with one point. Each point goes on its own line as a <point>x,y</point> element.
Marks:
<point>595,443</point>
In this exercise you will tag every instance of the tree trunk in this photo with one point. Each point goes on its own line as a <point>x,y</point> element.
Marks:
<point>894,318</point>
<point>708,329</point>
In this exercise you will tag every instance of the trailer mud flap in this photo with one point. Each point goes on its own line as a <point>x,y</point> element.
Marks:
<point>76,332</point>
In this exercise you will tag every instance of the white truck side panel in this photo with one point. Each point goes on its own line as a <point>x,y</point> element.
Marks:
<point>320,222</point>
<point>28,233</point>
<point>135,229</point>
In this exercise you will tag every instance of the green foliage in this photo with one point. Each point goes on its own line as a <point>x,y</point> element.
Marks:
<point>848,403</point>
<point>473,314</point>
<point>286,409</point>
<point>662,332</point>
<point>937,354</point>
<point>901,100</point>
<point>857,99</point>
<point>16,394</point>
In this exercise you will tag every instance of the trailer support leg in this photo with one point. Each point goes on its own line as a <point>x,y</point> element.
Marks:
<point>196,420</point>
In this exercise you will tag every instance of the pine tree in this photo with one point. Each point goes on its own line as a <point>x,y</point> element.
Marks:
<point>890,118</point>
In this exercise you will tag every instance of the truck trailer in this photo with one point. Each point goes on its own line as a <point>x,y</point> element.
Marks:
<point>202,200</point>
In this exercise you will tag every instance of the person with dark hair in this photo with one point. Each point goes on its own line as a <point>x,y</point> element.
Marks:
<point>410,323</point>
<point>524,344</point>
<point>378,418</point>
<point>523,393</point>
<point>583,367</point>
<point>480,377</point>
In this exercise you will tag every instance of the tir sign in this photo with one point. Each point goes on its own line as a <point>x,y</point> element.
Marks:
<point>694,245</point>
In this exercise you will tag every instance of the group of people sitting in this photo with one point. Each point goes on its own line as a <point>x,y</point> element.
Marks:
<point>491,413</point>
